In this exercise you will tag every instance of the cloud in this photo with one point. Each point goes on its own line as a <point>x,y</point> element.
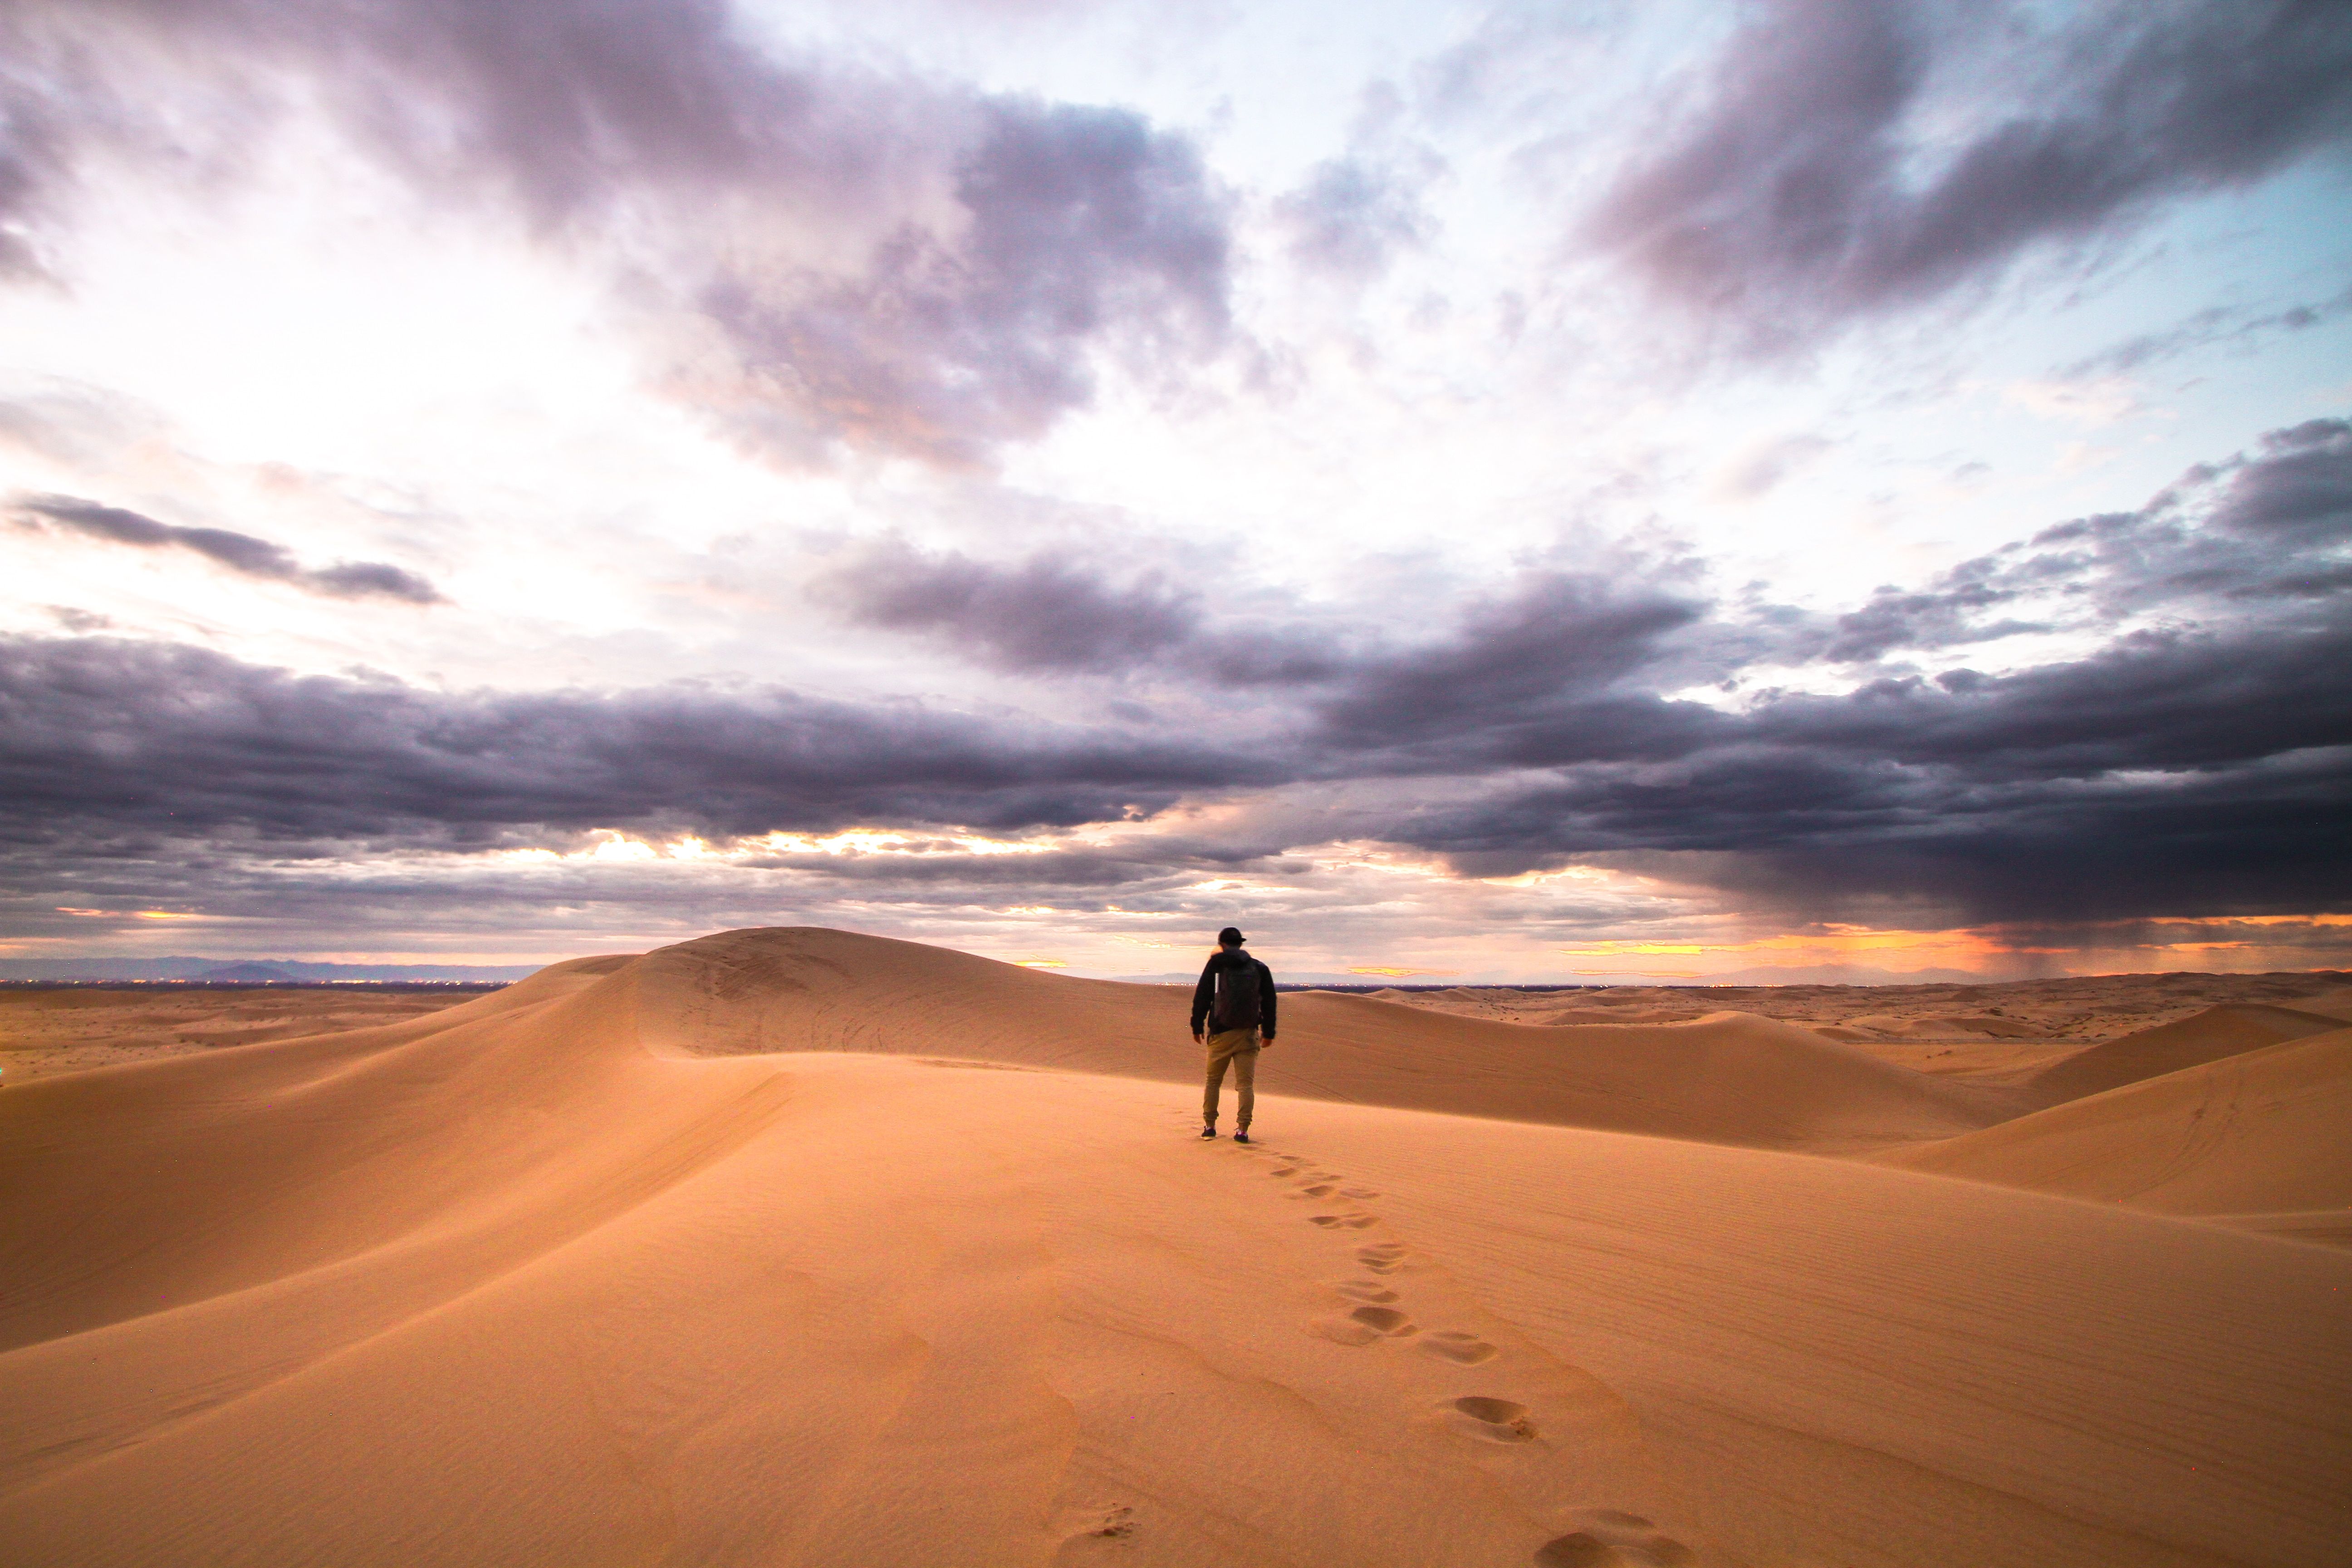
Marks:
<point>1853,157</point>
<point>1353,215</point>
<point>2255,541</point>
<point>2216,325</point>
<point>107,736</point>
<point>1760,468</point>
<point>1085,228</point>
<point>1044,614</point>
<point>240,552</point>
<point>2166,776</point>
<point>1556,638</point>
<point>2196,761</point>
<point>1052,615</point>
<point>1538,661</point>
<point>1356,213</point>
<point>817,255</point>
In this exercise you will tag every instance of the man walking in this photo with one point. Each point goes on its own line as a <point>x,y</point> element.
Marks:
<point>1235,999</point>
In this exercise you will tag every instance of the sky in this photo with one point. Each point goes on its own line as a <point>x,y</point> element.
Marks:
<point>1533,493</point>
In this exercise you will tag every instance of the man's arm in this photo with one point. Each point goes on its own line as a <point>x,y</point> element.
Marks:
<point>1203,995</point>
<point>1265,1002</point>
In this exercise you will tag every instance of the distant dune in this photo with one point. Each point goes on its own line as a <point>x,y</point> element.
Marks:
<point>2262,1134</point>
<point>2210,1035</point>
<point>792,1247</point>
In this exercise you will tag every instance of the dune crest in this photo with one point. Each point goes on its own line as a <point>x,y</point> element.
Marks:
<point>1729,1077</point>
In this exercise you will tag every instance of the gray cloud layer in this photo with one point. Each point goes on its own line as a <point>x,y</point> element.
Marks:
<point>240,552</point>
<point>1821,181</point>
<point>2200,763</point>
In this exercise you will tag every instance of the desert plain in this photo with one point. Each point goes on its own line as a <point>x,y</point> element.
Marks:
<point>795,1247</point>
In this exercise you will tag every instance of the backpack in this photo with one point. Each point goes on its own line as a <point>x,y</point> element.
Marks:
<point>1235,1004</point>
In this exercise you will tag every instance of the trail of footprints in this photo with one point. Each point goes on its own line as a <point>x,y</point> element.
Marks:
<point>1606,1538</point>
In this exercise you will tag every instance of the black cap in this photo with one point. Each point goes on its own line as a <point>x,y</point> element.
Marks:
<point>1229,937</point>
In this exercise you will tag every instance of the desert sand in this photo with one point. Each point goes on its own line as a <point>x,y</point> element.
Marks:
<point>46,1030</point>
<point>795,1247</point>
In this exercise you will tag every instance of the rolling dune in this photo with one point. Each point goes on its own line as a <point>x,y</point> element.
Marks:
<point>1730,1078</point>
<point>2262,1134</point>
<point>2210,1035</point>
<point>800,1247</point>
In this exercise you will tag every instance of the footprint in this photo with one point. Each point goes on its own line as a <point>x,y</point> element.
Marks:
<point>1385,1259</point>
<point>1320,1189</point>
<point>1489,1419</point>
<point>1465,1350</point>
<point>1358,1193</point>
<point>1360,1221</point>
<point>1326,1220</point>
<point>1613,1539</point>
<point>1101,1536</point>
<point>1364,1325</point>
<point>1344,1330</point>
<point>1365,1290</point>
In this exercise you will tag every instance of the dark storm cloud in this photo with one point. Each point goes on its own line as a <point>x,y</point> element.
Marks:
<point>102,736</point>
<point>818,254</point>
<point>1548,653</point>
<point>1822,181</point>
<point>240,552</point>
<point>2162,777</point>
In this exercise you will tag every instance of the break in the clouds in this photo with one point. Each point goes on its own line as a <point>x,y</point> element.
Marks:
<point>1066,477</point>
<point>239,553</point>
<point>1848,157</point>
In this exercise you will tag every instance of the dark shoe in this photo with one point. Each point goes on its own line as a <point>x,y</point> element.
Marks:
<point>1241,1136</point>
<point>1210,1130</point>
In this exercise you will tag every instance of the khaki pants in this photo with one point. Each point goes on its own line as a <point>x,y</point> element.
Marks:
<point>1238,1047</point>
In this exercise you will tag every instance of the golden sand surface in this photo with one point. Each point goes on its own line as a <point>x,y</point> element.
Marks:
<point>795,1246</point>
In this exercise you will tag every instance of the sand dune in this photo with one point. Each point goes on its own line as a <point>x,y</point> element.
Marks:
<point>2262,1134</point>
<point>1728,1079</point>
<point>2210,1035</point>
<point>2334,1003</point>
<point>577,1274</point>
<point>1575,1015</point>
<point>1946,1026</point>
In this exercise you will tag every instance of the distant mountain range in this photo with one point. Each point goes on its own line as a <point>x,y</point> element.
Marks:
<point>224,969</point>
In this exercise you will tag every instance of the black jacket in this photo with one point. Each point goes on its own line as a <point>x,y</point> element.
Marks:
<point>1205,992</point>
